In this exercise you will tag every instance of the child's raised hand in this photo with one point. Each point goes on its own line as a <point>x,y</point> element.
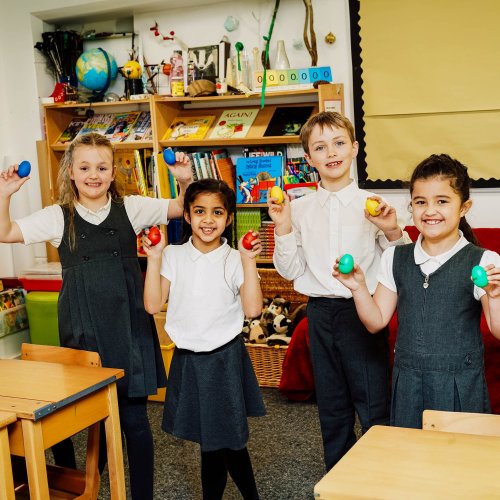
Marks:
<point>493,286</point>
<point>250,245</point>
<point>353,280</point>
<point>181,170</point>
<point>152,249</point>
<point>10,182</point>
<point>280,213</point>
<point>386,220</point>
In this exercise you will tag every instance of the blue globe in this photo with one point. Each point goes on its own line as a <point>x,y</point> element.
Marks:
<point>95,69</point>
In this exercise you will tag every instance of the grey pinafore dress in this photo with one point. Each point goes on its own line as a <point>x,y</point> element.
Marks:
<point>438,360</point>
<point>101,305</point>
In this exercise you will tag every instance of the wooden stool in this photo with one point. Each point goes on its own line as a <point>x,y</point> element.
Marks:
<point>84,485</point>
<point>6,480</point>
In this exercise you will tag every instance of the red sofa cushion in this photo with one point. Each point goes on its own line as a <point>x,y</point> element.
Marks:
<point>488,238</point>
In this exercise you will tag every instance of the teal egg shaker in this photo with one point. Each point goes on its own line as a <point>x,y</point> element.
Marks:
<point>479,276</point>
<point>346,263</point>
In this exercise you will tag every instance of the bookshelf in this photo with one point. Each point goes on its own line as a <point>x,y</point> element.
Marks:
<point>165,109</point>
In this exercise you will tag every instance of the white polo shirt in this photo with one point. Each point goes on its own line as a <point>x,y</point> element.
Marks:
<point>429,263</point>
<point>204,305</point>
<point>48,224</point>
<point>325,226</point>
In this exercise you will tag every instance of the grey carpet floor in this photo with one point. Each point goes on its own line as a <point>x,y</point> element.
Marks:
<point>285,447</point>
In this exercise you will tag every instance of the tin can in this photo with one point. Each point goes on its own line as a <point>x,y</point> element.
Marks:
<point>177,87</point>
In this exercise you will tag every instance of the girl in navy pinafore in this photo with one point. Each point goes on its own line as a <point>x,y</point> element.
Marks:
<point>101,305</point>
<point>438,357</point>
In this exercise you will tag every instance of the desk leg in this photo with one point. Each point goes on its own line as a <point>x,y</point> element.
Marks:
<point>114,447</point>
<point>6,481</point>
<point>35,459</point>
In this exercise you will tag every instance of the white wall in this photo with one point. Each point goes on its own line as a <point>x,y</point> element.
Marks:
<point>198,22</point>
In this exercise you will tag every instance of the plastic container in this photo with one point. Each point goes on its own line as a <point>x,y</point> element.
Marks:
<point>42,317</point>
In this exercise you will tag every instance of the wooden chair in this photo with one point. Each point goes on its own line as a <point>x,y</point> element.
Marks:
<point>467,423</point>
<point>82,485</point>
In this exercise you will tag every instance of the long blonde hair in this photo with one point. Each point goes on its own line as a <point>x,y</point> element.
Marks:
<point>66,187</point>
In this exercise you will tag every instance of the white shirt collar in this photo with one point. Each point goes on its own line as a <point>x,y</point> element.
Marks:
<point>84,210</point>
<point>421,257</point>
<point>345,195</point>
<point>212,256</point>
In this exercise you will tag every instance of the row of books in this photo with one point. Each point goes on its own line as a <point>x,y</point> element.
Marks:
<point>216,164</point>
<point>235,124</point>
<point>117,127</point>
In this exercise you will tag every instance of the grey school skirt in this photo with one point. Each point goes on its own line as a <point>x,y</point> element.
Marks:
<point>210,395</point>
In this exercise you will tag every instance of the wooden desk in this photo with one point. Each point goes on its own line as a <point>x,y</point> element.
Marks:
<point>53,401</point>
<point>6,482</point>
<point>396,463</point>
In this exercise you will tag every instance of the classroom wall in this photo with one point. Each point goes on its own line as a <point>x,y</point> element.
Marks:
<point>199,22</point>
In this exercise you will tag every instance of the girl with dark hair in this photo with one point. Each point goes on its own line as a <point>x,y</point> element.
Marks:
<point>210,287</point>
<point>438,358</point>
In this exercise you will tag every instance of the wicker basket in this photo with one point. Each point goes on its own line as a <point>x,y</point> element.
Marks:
<point>273,284</point>
<point>267,362</point>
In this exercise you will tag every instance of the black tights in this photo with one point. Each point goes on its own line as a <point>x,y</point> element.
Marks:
<point>139,443</point>
<point>214,468</point>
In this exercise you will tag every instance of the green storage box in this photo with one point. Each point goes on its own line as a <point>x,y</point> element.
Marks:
<point>42,317</point>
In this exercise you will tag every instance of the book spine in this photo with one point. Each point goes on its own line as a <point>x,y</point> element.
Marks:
<point>197,165</point>
<point>141,179</point>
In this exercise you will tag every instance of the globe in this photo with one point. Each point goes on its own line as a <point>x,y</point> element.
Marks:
<point>95,69</point>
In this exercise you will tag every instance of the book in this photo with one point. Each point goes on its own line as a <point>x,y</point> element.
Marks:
<point>224,167</point>
<point>189,128</point>
<point>71,131</point>
<point>141,130</point>
<point>288,120</point>
<point>234,123</point>
<point>125,175</point>
<point>121,126</point>
<point>209,61</point>
<point>255,175</point>
<point>99,123</point>
<point>140,174</point>
<point>265,151</point>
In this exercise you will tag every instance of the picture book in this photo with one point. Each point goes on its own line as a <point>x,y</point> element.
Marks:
<point>71,131</point>
<point>288,120</point>
<point>189,128</point>
<point>255,175</point>
<point>99,123</point>
<point>141,131</point>
<point>224,167</point>
<point>121,126</point>
<point>251,151</point>
<point>209,61</point>
<point>125,175</point>
<point>234,123</point>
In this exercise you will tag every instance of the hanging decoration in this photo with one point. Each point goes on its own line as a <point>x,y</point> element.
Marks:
<point>330,38</point>
<point>310,38</point>
<point>231,23</point>
<point>265,62</point>
<point>156,31</point>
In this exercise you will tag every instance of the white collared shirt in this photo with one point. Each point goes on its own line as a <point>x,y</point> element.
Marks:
<point>48,224</point>
<point>327,225</point>
<point>429,263</point>
<point>204,305</point>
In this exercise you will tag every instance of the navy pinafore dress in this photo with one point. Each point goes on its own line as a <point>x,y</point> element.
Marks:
<point>101,306</point>
<point>438,358</point>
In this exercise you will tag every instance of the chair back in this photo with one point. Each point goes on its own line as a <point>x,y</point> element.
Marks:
<point>56,354</point>
<point>482,424</point>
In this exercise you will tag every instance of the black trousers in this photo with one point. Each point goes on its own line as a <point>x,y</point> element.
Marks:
<point>351,373</point>
<point>138,440</point>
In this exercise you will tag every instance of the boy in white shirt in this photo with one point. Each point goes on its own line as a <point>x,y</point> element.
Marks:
<point>351,366</point>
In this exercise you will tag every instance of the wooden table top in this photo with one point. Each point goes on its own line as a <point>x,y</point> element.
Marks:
<point>396,463</point>
<point>33,389</point>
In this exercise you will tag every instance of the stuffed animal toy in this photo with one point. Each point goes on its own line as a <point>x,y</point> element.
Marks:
<point>283,326</point>
<point>257,335</point>
<point>277,306</point>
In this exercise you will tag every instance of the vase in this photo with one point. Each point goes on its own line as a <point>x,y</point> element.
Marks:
<point>281,61</point>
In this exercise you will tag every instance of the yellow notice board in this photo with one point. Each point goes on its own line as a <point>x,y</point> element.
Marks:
<point>430,74</point>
